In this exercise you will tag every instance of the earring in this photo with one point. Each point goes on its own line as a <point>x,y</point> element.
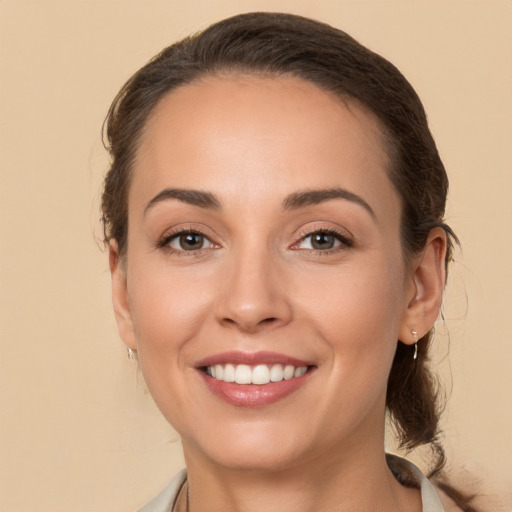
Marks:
<point>415,336</point>
<point>132,354</point>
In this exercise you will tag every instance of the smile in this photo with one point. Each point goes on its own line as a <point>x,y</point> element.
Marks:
<point>254,379</point>
<point>260,374</point>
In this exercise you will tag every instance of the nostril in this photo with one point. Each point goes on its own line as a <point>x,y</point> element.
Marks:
<point>251,325</point>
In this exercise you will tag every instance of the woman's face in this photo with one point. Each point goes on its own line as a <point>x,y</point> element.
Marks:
<point>264,242</point>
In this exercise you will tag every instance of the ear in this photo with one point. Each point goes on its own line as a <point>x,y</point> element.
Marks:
<point>425,289</point>
<point>120,300</point>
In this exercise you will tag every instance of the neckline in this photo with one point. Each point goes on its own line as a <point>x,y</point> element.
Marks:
<point>174,497</point>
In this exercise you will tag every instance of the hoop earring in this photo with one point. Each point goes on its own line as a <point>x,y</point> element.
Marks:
<point>415,336</point>
<point>132,354</point>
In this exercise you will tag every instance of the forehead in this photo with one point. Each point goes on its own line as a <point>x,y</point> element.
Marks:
<point>236,133</point>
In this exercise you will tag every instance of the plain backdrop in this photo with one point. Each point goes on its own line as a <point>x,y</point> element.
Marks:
<point>78,430</point>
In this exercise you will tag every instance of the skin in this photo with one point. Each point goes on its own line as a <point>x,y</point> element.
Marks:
<point>257,284</point>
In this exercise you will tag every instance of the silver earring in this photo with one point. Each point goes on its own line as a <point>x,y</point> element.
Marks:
<point>415,336</point>
<point>132,354</point>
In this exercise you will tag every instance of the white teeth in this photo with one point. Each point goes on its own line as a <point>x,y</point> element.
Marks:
<point>219,371</point>
<point>260,374</point>
<point>299,372</point>
<point>289,372</point>
<point>276,373</point>
<point>243,374</point>
<point>229,373</point>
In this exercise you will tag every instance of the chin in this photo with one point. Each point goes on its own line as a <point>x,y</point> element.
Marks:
<point>257,461</point>
<point>252,449</point>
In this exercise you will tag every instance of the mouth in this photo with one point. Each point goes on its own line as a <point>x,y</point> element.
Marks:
<point>253,379</point>
<point>260,374</point>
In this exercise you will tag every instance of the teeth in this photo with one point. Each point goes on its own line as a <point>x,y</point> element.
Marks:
<point>276,373</point>
<point>299,372</point>
<point>289,371</point>
<point>219,371</point>
<point>229,373</point>
<point>260,374</point>
<point>243,374</point>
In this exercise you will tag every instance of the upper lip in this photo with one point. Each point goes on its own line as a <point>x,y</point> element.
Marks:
<point>251,359</point>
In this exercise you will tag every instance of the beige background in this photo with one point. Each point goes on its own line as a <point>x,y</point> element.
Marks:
<point>78,431</point>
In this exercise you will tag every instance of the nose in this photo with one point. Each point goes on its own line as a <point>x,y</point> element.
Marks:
<point>254,294</point>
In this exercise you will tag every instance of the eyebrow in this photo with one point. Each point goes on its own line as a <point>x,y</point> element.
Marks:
<point>194,197</point>
<point>294,201</point>
<point>311,197</point>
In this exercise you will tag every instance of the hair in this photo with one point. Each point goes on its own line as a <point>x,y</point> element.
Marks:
<point>273,45</point>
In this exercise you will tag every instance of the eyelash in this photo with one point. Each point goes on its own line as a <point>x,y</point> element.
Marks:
<point>165,241</point>
<point>344,241</point>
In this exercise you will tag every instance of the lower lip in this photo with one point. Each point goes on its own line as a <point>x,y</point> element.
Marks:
<point>253,395</point>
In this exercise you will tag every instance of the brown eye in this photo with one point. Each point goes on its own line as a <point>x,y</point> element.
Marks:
<point>322,241</point>
<point>189,242</point>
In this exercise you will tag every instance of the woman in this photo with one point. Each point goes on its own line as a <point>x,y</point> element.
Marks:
<point>274,212</point>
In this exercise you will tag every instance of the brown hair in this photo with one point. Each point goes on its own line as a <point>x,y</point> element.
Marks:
<point>276,44</point>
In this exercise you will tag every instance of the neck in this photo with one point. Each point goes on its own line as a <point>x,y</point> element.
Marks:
<point>357,481</point>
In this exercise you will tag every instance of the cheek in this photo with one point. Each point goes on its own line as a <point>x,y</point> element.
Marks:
<point>364,297</point>
<point>168,307</point>
<point>356,311</point>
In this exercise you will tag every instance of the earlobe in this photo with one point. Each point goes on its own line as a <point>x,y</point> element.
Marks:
<point>120,300</point>
<point>428,277</point>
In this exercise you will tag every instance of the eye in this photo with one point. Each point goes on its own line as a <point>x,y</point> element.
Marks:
<point>323,240</point>
<point>187,242</point>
